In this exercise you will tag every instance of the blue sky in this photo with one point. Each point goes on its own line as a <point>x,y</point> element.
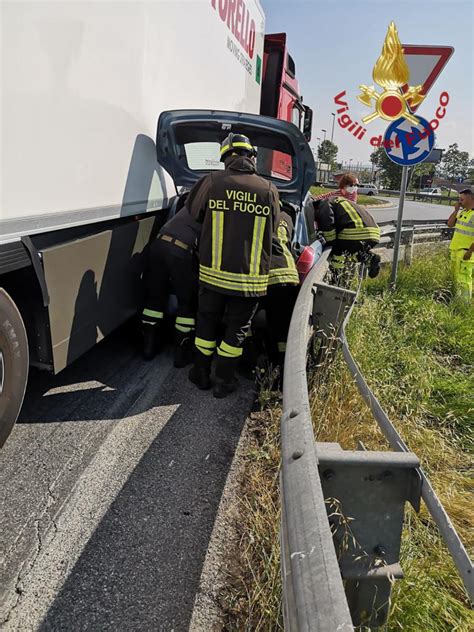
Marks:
<point>335,45</point>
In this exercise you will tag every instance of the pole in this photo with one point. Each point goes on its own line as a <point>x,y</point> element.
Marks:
<point>396,248</point>
<point>332,131</point>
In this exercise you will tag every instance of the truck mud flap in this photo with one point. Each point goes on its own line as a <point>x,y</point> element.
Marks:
<point>94,285</point>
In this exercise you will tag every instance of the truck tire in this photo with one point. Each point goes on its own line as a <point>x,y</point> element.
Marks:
<point>13,364</point>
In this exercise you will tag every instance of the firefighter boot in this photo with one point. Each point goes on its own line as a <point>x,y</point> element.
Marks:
<point>200,372</point>
<point>249,358</point>
<point>374,265</point>
<point>183,349</point>
<point>226,382</point>
<point>150,340</point>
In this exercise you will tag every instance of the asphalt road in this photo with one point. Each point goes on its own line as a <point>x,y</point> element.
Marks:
<point>109,488</point>
<point>413,210</point>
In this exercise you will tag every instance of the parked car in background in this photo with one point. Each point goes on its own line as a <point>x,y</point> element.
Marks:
<point>368,189</point>
<point>448,191</point>
<point>431,191</point>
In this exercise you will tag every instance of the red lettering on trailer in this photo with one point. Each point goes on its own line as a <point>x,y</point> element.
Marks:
<point>231,15</point>
<point>237,17</point>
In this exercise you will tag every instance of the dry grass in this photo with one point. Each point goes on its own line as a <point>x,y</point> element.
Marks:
<point>415,349</point>
<point>254,598</point>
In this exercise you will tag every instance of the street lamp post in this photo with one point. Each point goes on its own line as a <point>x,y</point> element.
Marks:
<point>333,119</point>
<point>323,130</point>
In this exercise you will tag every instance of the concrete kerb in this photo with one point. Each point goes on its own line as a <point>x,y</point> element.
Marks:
<point>376,207</point>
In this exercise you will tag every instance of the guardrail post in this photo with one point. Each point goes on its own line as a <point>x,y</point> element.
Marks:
<point>365,495</point>
<point>409,245</point>
<point>330,306</point>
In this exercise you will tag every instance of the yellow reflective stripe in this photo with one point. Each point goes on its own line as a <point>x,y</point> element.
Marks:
<point>329,234</point>
<point>152,313</point>
<point>353,214</point>
<point>185,321</point>
<point>227,147</point>
<point>281,280</point>
<point>461,231</point>
<point>217,238</point>
<point>282,347</point>
<point>357,233</point>
<point>149,322</point>
<point>183,328</point>
<point>206,352</point>
<point>283,237</point>
<point>257,244</point>
<point>207,344</point>
<point>238,286</point>
<point>229,350</point>
<point>241,281</point>
<point>283,275</point>
<point>232,275</point>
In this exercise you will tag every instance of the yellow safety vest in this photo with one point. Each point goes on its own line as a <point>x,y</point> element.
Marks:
<point>463,230</point>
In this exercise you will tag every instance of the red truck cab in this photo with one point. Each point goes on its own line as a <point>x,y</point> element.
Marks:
<point>281,98</point>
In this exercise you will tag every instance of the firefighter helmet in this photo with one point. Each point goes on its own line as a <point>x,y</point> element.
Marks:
<point>238,144</point>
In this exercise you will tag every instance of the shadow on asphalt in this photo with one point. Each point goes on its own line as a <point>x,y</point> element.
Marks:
<point>102,372</point>
<point>141,568</point>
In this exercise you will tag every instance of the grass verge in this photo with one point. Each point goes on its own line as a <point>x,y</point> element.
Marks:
<point>415,349</point>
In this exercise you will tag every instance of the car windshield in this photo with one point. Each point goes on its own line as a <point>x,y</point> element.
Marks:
<point>427,190</point>
<point>205,156</point>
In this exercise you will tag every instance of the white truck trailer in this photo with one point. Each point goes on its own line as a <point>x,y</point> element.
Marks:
<point>83,85</point>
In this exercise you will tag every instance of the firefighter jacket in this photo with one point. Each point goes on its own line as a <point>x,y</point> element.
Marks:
<point>238,210</point>
<point>463,236</point>
<point>183,227</point>
<point>282,265</point>
<point>340,219</point>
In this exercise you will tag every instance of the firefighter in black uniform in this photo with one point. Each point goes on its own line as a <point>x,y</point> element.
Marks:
<point>350,230</point>
<point>172,268</point>
<point>239,210</point>
<point>283,286</point>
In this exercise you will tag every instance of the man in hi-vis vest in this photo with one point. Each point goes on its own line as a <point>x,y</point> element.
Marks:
<point>461,247</point>
<point>238,210</point>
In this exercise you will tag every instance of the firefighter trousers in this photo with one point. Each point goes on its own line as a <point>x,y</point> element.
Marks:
<point>236,313</point>
<point>463,272</point>
<point>171,270</point>
<point>278,304</point>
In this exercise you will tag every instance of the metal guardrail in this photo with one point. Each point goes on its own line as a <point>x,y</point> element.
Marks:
<point>313,591</point>
<point>453,541</point>
<point>314,597</point>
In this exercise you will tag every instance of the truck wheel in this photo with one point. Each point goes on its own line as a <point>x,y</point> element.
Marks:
<point>13,364</point>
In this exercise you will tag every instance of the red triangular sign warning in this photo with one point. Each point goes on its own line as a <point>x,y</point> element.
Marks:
<point>425,64</point>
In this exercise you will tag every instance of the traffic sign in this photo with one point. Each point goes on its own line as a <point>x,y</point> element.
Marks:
<point>425,64</point>
<point>408,144</point>
<point>435,156</point>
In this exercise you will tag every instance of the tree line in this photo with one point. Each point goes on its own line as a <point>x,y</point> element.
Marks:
<point>454,165</point>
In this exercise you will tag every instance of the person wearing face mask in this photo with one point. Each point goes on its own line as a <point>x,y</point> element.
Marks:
<point>347,189</point>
